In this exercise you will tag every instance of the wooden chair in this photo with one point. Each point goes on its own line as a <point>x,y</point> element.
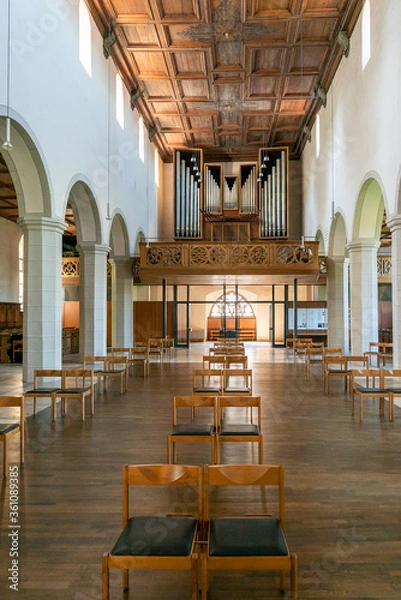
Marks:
<point>97,365</point>
<point>122,352</point>
<point>243,431</point>
<point>255,542</point>
<point>236,361</point>
<point>374,388</point>
<point>382,351</point>
<point>199,430</point>
<point>47,389</point>
<point>77,384</point>
<point>115,367</point>
<point>300,345</point>
<point>237,382</point>
<point>9,426</point>
<point>140,356</point>
<point>334,366</point>
<point>207,381</point>
<point>152,541</point>
<point>313,355</point>
<point>213,361</point>
<point>331,351</point>
<point>235,349</point>
<point>155,347</point>
<point>394,390</point>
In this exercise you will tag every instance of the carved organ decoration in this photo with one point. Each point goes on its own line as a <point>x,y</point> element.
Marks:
<point>248,188</point>
<point>273,192</point>
<point>188,193</point>
<point>212,188</point>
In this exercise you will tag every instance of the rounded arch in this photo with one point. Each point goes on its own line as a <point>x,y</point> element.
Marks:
<point>27,168</point>
<point>85,210</point>
<point>369,210</point>
<point>140,238</point>
<point>119,237</point>
<point>398,193</point>
<point>338,237</point>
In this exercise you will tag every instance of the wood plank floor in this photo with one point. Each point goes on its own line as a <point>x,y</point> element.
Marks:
<point>343,486</point>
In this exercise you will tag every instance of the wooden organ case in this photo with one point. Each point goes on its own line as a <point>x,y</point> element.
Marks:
<point>231,202</point>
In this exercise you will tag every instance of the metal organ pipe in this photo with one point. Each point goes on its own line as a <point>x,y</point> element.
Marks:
<point>283,193</point>
<point>177,195</point>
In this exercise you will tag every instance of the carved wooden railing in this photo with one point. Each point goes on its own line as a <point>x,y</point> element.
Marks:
<point>70,267</point>
<point>259,257</point>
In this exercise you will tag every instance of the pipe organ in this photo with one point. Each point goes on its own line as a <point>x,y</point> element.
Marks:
<point>273,184</point>
<point>248,188</point>
<point>212,188</point>
<point>188,187</point>
<point>231,193</point>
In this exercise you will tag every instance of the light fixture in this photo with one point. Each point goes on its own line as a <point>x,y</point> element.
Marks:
<point>7,144</point>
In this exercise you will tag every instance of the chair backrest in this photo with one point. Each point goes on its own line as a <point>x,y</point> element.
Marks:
<point>332,350</point>
<point>243,475</point>
<point>338,362</point>
<point>313,352</point>
<point>372,377</point>
<point>16,402</point>
<point>121,352</point>
<point>94,362</point>
<point>139,352</point>
<point>357,361</point>
<point>163,475</point>
<point>235,349</point>
<point>115,363</point>
<point>46,373</point>
<point>155,344</point>
<point>79,377</point>
<point>239,378</point>
<point>194,402</point>
<point>236,360</point>
<point>245,402</point>
<point>201,377</point>
<point>213,362</point>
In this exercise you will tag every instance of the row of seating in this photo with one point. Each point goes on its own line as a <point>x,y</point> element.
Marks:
<point>218,426</point>
<point>201,542</point>
<point>225,361</point>
<point>384,384</point>
<point>222,381</point>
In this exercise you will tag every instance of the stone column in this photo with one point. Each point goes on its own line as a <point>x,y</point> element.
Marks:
<point>122,304</point>
<point>363,294</point>
<point>93,299</point>
<point>42,328</point>
<point>395,228</point>
<point>337,303</point>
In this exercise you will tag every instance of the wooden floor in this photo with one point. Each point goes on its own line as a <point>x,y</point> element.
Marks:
<point>343,486</point>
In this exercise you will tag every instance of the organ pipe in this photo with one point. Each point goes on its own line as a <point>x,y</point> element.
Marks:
<point>187,173</point>
<point>273,192</point>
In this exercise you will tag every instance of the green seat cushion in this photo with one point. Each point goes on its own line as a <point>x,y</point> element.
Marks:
<point>238,390</point>
<point>246,536</point>
<point>156,536</point>
<point>375,391</point>
<point>212,388</point>
<point>79,390</point>
<point>239,429</point>
<point>193,429</point>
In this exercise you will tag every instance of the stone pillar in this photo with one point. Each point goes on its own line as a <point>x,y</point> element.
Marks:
<point>122,304</point>
<point>395,228</point>
<point>337,303</point>
<point>363,294</point>
<point>42,328</point>
<point>92,299</point>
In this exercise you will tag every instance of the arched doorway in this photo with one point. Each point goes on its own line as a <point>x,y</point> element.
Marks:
<point>231,316</point>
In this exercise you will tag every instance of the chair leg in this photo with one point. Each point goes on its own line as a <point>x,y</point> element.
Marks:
<point>194,578</point>
<point>125,579</point>
<point>83,408</point>
<point>261,451</point>
<point>168,450</point>
<point>204,577</point>
<point>105,577</point>
<point>294,577</point>
<point>282,581</point>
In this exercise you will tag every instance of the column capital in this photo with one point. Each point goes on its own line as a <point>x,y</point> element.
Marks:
<point>394,223</point>
<point>362,245</point>
<point>92,248</point>
<point>39,223</point>
<point>338,260</point>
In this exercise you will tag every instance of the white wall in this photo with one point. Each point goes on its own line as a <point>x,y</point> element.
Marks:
<point>66,111</point>
<point>360,130</point>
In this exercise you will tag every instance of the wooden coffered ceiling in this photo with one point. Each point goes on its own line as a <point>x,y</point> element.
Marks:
<point>227,76</point>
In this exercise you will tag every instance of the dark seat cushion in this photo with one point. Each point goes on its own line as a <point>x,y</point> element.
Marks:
<point>156,536</point>
<point>7,427</point>
<point>41,391</point>
<point>116,371</point>
<point>237,390</point>
<point>394,390</point>
<point>193,429</point>
<point>375,391</point>
<point>246,536</point>
<point>239,429</point>
<point>79,390</point>
<point>211,388</point>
